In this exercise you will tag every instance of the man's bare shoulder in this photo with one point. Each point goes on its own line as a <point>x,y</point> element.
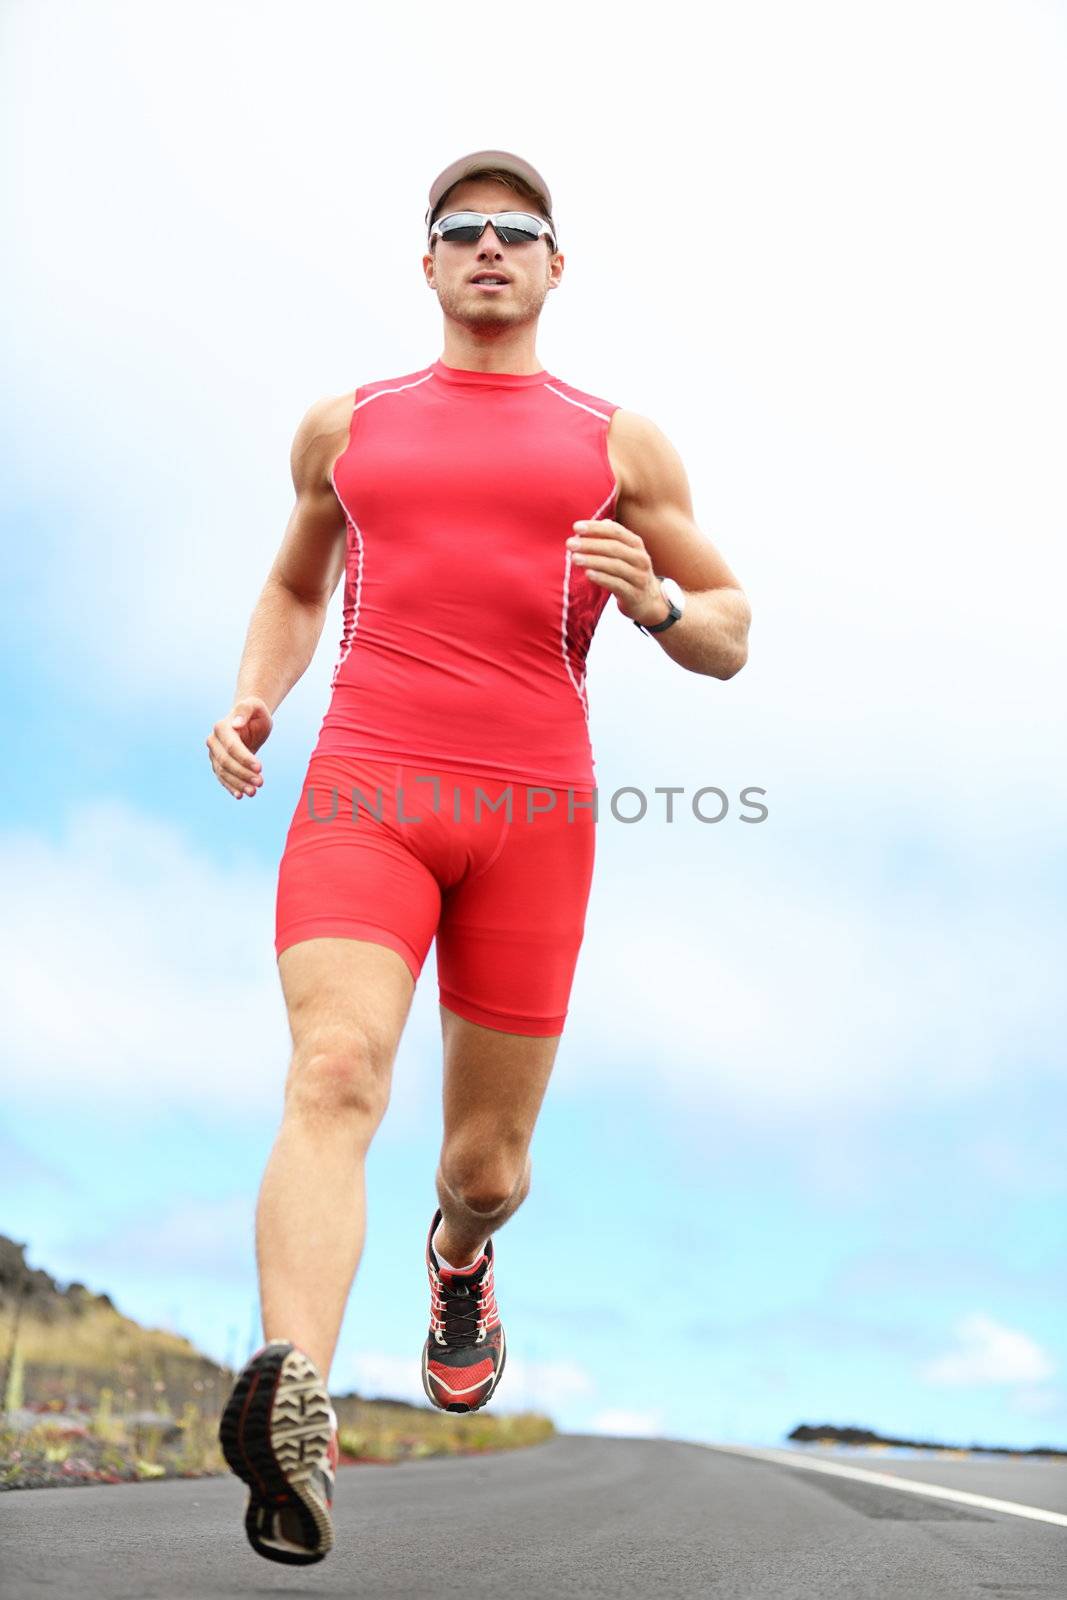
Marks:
<point>320,439</point>
<point>630,427</point>
<point>635,446</point>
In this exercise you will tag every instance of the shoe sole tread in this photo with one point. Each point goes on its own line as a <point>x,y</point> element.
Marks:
<point>275,1433</point>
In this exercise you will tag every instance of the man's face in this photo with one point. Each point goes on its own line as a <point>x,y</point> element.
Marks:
<point>532,269</point>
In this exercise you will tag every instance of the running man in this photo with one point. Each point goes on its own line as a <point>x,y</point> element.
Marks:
<point>483,512</point>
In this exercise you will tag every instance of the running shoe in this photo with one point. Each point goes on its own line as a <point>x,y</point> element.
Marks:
<point>278,1432</point>
<point>463,1357</point>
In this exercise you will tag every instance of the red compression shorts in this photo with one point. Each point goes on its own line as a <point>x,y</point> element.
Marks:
<point>396,853</point>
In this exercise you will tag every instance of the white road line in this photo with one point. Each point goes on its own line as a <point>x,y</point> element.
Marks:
<point>888,1480</point>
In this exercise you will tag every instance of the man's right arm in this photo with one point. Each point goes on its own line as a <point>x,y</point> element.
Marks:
<point>287,622</point>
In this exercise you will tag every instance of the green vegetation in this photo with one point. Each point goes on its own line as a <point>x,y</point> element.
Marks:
<point>104,1448</point>
<point>387,1432</point>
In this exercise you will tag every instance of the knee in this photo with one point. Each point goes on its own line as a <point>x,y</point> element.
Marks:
<point>486,1180</point>
<point>340,1078</point>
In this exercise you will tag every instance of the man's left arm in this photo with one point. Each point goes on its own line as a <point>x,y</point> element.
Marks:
<point>656,537</point>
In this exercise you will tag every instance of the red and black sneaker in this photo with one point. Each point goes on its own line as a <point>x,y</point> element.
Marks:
<point>463,1357</point>
<point>278,1432</point>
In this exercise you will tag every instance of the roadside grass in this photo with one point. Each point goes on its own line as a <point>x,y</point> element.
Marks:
<point>94,1398</point>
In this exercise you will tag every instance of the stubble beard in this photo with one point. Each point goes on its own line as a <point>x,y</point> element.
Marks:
<point>460,305</point>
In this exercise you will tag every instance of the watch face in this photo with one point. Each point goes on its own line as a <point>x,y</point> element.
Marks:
<point>673,592</point>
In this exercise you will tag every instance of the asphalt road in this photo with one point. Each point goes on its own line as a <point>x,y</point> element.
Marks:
<point>579,1515</point>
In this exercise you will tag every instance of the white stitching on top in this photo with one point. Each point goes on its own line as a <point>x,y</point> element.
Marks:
<point>579,688</point>
<point>579,403</point>
<point>377,396</point>
<point>353,619</point>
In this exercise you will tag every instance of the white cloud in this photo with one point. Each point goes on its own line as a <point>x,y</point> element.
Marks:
<point>646,1424</point>
<point>135,971</point>
<point>134,967</point>
<point>987,1352</point>
<point>736,970</point>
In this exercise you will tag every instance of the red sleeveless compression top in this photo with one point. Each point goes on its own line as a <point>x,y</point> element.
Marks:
<point>466,626</point>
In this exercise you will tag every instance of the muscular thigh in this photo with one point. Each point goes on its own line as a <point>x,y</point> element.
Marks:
<point>347,1001</point>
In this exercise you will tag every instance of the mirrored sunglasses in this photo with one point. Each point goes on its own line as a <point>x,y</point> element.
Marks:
<point>512,227</point>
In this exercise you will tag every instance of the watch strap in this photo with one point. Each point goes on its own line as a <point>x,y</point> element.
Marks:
<point>660,627</point>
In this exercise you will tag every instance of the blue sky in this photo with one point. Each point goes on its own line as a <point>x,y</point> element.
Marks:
<point>802,1145</point>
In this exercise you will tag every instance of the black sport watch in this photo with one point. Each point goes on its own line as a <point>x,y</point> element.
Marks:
<point>675,598</point>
